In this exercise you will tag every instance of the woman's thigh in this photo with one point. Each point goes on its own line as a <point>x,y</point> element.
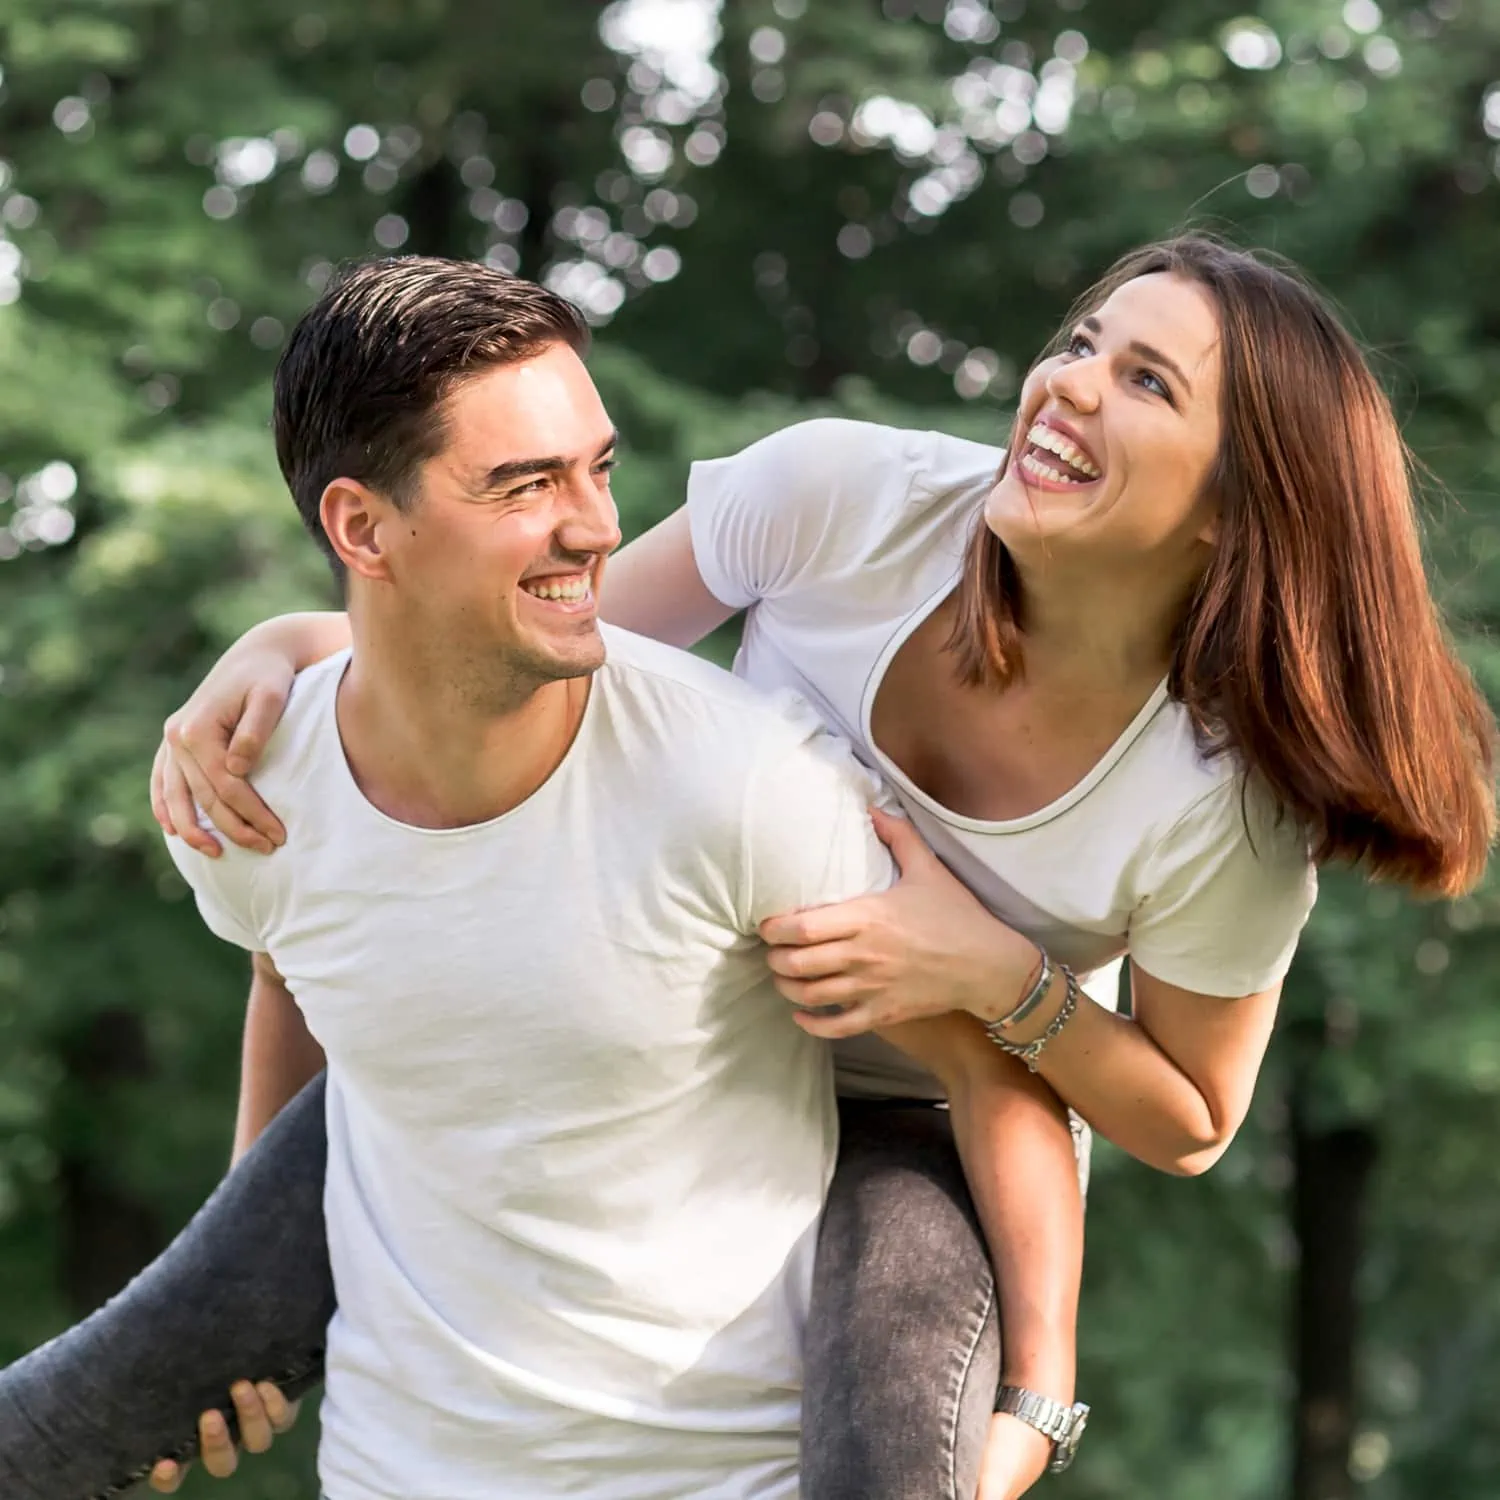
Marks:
<point>245,1291</point>
<point>903,1340</point>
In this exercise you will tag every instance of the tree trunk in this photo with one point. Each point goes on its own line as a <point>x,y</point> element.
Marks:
<point>1332,1172</point>
<point>433,204</point>
<point>105,1235</point>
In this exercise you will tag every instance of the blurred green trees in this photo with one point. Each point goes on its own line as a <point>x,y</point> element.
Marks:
<point>770,208</point>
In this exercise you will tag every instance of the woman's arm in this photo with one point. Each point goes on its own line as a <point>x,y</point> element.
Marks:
<point>1170,1087</point>
<point>654,587</point>
<point>213,742</point>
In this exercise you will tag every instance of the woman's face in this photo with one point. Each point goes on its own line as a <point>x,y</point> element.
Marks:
<point>1118,433</point>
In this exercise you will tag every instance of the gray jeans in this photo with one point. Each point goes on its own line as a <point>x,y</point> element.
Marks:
<point>902,1357</point>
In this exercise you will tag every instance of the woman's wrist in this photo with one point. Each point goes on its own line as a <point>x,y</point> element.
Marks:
<point>302,639</point>
<point>1008,976</point>
<point>1042,1015</point>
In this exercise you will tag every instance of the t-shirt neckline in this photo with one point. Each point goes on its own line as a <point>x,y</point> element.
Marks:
<point>1054,809</point>
<point>345,772</point>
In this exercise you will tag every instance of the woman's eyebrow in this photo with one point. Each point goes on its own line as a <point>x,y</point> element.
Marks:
<point>1147,352</point>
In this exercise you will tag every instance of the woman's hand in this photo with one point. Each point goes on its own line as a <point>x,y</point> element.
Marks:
<point>924,947</point>
<point>213,742</point>
<point>1015,1457</point>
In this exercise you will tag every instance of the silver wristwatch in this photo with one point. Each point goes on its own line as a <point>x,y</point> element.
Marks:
<point>1063,1424</point>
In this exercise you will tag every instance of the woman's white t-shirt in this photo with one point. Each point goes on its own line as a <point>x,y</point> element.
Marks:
<point>840,538</point>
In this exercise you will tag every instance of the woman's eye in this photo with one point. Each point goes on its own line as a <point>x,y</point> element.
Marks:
<point>1079,345</point>
<point>1153,382</point>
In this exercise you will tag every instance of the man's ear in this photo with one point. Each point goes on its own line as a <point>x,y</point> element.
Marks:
<point>356,520</point>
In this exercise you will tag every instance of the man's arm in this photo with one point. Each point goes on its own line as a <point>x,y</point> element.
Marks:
<point>279,1054</point>
<point>1017,1151</point>
<point>813,842</point>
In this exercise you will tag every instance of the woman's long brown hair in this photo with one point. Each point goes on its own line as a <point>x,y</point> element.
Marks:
<point>1312,648</point>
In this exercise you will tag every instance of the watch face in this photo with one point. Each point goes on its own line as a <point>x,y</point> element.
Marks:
<point>1064,1450</point>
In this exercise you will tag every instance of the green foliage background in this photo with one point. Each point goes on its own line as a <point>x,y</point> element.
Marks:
<point>771,208</point>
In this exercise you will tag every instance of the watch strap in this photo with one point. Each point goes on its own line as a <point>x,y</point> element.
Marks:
<point>1063,1424</point>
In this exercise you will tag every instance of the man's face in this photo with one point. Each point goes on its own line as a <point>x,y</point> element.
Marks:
<point>496,563</point>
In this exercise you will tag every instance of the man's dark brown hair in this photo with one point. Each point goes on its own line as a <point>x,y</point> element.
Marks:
<point>361,385</point>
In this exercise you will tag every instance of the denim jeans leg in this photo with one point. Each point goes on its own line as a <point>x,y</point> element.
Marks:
<point>903,1339</point>
<point>245,1291</point>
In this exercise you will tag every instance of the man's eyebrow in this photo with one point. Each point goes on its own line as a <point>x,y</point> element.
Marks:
<point>1146,352</point>
<point>522,468</point>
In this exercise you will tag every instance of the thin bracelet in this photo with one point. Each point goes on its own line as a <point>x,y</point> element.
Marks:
<point>1030,1052</point>
<point>1027,1003</point>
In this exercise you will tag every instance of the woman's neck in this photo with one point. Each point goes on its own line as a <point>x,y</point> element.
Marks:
<point>1084,632</point>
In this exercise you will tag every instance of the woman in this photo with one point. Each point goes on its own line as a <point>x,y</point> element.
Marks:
<point>1129,692</point>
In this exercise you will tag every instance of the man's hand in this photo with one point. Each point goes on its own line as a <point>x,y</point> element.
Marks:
<point>263,1414</point>
<point>1015,1457</point>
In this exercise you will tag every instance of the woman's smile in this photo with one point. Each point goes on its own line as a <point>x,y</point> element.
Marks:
<point>1053,457</point>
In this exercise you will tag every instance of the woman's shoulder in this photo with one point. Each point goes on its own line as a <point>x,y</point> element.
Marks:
<point>821,497</point>
<point>1197,792</point>
<point>1223,881</point>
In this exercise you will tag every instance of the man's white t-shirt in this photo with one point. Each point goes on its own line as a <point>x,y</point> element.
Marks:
<point>840,538</point>
<point>577,1147</point>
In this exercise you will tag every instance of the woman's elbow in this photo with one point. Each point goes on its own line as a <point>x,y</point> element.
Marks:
<point>1195,1163</point>
<point>1194,1155</point>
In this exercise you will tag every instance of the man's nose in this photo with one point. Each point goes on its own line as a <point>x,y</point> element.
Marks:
<point>592,523</point>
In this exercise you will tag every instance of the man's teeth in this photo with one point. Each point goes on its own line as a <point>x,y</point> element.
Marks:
<point>568,590</point>
<point>1042,436</point>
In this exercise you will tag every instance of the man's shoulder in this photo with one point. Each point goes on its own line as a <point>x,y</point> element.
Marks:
<point>697,714</point>
<point>306,729</point>
<point>637,666</point>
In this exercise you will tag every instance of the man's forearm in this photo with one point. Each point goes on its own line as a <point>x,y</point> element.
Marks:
<point>1018,1157</point>
<point>1017,1152</point>
<point>279,1055</point>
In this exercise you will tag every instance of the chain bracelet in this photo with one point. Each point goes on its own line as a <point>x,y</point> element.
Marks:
<point>1030,1052</point>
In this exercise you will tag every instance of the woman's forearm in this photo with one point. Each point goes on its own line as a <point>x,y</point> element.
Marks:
<point>305,638</point>
<point>1110,1070</point>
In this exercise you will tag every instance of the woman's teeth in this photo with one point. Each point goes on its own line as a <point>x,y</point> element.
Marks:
<point>566,590</point>
<point>1050,439</point>
<point>1034,466</point>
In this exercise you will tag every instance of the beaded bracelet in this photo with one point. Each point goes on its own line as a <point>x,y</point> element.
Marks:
<point>1030,1052</point>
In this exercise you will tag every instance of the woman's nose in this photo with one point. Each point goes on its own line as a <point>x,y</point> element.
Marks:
<point>1077,382</point>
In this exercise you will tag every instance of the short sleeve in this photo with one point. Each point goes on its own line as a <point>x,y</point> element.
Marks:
<point>807,838</point>
<point>764,518</point>
<point>1226,894</point>
<point>225,891</point>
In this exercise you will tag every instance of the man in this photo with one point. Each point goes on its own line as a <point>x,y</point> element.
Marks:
<point>577,1146</point>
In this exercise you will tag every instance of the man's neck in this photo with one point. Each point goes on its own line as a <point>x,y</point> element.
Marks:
<point>425,754</point>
